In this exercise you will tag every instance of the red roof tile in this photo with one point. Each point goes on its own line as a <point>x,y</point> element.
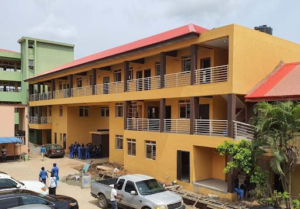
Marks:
<point>9,51</point>
<point>282,84</point>
<point>174,33</point>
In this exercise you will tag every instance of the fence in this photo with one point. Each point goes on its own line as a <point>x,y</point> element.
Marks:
<point>211,75</point>
<point>177,79</point>
<point>210,127</point>
<point>143,124</point>
<point>243,131</point>
<point>177,126</point>
<point>144,84</point>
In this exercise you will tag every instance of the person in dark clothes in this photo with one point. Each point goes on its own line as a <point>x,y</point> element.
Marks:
<point>101,151</point>
<point>246,187</point>
<point>75,151</point>
<point>71,148</point>
<point>83,152</point>
<point>94,151</point>
<point>90,150</point>
<point>79,152</point>
<point>97,152</point>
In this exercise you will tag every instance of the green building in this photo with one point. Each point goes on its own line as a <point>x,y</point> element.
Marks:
<point>35,57</point>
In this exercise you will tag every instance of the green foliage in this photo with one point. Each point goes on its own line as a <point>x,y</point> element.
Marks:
<point>296,204</point>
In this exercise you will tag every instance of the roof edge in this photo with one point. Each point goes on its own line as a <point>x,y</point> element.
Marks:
<point>23,38</point>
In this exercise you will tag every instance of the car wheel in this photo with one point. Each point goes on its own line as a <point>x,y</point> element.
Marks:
<point>102,201</point>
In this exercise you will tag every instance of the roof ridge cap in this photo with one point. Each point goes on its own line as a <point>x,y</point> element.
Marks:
<point>191,27</point>
<point>264,80</point>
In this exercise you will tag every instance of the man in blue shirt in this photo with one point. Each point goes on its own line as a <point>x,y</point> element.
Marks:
<point>43,150</point>
<point>55,172</point>
<point>43,175</point>
<point>79,152</point>
<point>71,151</point>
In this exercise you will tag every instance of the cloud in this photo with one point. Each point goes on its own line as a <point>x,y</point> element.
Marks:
<point>54,27</point>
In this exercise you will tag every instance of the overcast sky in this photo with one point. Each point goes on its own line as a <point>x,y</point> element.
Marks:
<point>96,25</point>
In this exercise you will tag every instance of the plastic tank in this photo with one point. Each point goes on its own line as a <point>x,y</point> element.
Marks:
<point>264,29</point>
<point>86,181</point>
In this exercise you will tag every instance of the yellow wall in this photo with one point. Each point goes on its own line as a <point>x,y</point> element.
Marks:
<point>59,123</point>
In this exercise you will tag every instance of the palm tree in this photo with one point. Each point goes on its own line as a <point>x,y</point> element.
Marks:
<point>276,125</point>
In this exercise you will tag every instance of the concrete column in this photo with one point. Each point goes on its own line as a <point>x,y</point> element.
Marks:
<point>53,88</point>
<point>162,69</point>
<point>162,114</point>
<point>126,110</point>
<point>70,85</point>
<point>126,74</point>
<point>194,60</point>
<point>94,81</point>
<point>194,113</point>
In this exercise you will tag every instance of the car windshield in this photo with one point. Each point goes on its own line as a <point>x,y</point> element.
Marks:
<point>150,186</point>
<point>46,197</point>
<point>55,147</point>
<point>18,181</point>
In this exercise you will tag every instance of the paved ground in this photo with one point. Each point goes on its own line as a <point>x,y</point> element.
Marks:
<point>29,170</point>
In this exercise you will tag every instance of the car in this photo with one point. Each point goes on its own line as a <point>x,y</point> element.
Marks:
<point>35,206</point>
<point>54,150</point>
<point>9,183</point>
<point>20,197</point>
<point>139,191</point>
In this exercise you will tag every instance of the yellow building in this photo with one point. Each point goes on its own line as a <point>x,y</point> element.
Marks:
<point>161,105</point>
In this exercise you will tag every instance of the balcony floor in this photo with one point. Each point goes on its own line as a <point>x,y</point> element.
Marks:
<point>213,184</point>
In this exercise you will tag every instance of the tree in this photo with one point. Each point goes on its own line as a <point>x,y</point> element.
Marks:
<point>278,124</point>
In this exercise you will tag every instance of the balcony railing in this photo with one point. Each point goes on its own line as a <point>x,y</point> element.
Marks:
<point>143,124</point>
<point>41,120</point>
<point>181,126</point>
<point>210,127</point>
<point>82,91</point>
<point>211,75</point>
<point>34,97</point>
<point>46,120</point>
<point>63,93</point>
<point>109,88</point>
<point>177,79</point>
<point>144,84</point>
<point>45,96</point>
<point>243,131</point>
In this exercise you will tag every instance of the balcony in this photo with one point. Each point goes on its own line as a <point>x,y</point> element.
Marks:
<point>10,96</point>
<point>10,75</point>
<point>210,127</point>
<point>40,123</point>
<point>243,131</point>
<point>203,76</point>
<point>181,126</point>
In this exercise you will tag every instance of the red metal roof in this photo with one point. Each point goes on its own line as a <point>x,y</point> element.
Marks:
<point>9,51</point>
<point>168,35</point>
<point>282,84</point>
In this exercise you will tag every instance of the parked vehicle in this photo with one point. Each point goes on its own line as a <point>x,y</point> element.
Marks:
<point>15,198</point>
<point>9,183</point>
<point>139,191</point>
<point>35,206</point>
<point>54,150</point>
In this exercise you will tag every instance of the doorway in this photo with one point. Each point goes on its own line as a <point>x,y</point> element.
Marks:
<point>65,140</point>
<point>168,116</point>
<point>139,85</point>
<point>106,85</point>
<point>183,166</point>
<point>204,115</point>
<point>277,183</point>
<point>147,83</point>
<point>205,72</point>
<point>55,138</point>
<point>153,113</point>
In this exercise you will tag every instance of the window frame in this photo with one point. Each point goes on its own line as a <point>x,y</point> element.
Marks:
<point>152,144</point>
<point>131,182</point>
<point>84,110</point>
<point>79,82</point>
<point>186,61</point>
<point>131,142</point>
<point>118,139</point>
<point>118,76</point>
<point>187,108</point>
<point>119,105</point>
<point>106,112</point>
<point>130,74</point>
<point>61,111</point>
<point>157,68</point>
<point>31,64</point>
<point>49,111</point>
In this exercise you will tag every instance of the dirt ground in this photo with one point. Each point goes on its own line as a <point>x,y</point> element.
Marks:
<point>30,169</point>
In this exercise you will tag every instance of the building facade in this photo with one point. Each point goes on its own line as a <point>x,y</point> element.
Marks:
<point>161,105</point>
<point>36,56</point>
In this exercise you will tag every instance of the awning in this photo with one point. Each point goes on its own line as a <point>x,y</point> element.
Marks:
<point>9,140</point>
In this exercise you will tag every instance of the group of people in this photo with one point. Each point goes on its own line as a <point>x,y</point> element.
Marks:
<point>43,175</point>
<point>87,151</point>
<point>242,189</point>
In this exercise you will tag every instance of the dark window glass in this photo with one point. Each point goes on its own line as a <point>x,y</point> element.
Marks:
<point>120,184</point>
<point>33,200</point>
<point>129,187</point>
<point>7,183</point>
<point>9,202</point>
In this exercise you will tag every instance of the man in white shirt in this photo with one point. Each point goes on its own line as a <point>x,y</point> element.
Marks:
<point>3,151</point>
<point>113,196</point>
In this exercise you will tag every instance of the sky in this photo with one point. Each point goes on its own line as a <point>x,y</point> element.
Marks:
<point>97,25</point>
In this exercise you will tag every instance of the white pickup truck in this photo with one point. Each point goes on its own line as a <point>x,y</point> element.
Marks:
<point>139,191</point>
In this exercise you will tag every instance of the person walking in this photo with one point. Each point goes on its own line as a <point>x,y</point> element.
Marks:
<point>3,152</point>
<point>79,152</point>
<point>43,151</point>
<point>87,152</point>
<point>83,152</point>
<point>71,148</point>
<point>55,171</point>
<point>52,185</point>
<point>43,175</point>
<point>113,196</point>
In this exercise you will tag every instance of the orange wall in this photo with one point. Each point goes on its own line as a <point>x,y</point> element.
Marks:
<point>59,123</point>
<point>7,123</point>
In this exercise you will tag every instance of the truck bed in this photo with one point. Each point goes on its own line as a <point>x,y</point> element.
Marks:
<point>107,181</point>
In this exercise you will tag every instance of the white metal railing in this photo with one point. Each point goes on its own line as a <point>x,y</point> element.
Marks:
<point>177,79</point>
<point>210,127</point>
<point>211,75</point>
<point>82,91</point>
<point>34,97</point>
<point>109,88</point>
<point>34,120</point>
<point>144,84</point>
<point>177,126</point>
<point>243,130</point>
<point>45,96</point>
<point>46,120</point>
<point>143,124</point>
<point>241,115</point>
<point>63,93</point>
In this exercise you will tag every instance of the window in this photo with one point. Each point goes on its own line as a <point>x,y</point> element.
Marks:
<point>79,82</point>
<point>104,111</point>
<point>119,110</point>
<point>7,183</point>
<point>9,202</point>
<point>130,74</point>
<point>119,142</point>
<point>118,76</point>
<point>30,44</point>
<point>60,111</point>
<point>151,150</point>
<point>131,146</point>
<point>186,63</point>
<point>31,64</point>
<point>33,200</point>
<point>184,108</point>
<point>130,187</point>
<point>157,68</point>
<point>83,111</point>
<point>121,183</point>
<point>50,111</point>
